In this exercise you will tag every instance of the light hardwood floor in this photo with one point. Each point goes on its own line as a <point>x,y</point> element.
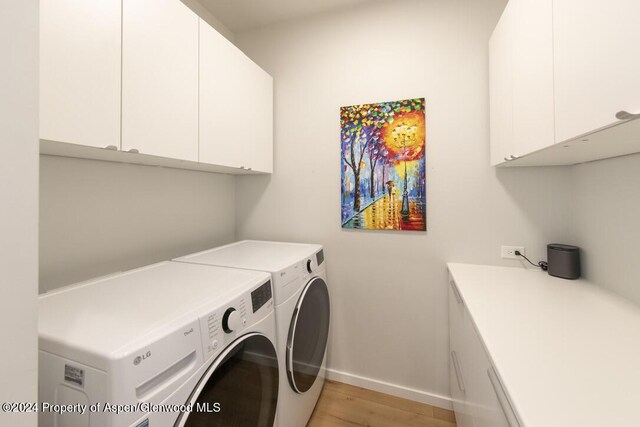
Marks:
<point>345,405</point>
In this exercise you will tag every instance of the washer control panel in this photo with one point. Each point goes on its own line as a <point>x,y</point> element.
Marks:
<point>223,325</point>
<point>260,296</point>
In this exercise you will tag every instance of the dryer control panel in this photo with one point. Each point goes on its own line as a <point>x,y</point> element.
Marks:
<point>220,327</point>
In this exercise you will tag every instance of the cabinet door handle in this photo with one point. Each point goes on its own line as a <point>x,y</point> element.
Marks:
<point>456,368</point>
<point>513,157</point>
<point>134,151</point>
<point>111,147</point>
<point>456,293</point>
<point>625,115</point>
<point>509,413</point>
<point>507,159</point>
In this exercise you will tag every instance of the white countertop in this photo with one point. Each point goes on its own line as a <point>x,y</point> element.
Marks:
<point>567,351</point>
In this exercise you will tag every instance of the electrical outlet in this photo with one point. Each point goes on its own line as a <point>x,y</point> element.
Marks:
<point>509,252</point>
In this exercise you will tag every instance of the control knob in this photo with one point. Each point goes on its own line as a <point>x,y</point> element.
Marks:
<point>231,320</point>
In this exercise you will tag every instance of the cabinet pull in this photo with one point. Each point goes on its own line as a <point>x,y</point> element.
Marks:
<point>513,157</point>
<point>456,293</point>
<point>502,398</point>
<point>625,115</point>
<point>134,151</point>
<point>456,368</point>
<point>507,159</point>
<point>111,147</point>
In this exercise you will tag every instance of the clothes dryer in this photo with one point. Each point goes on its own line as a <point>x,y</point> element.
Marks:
<point>302,309</point>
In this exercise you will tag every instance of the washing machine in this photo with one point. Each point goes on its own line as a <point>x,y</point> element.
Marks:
<point>302,309</point>
<point>171,344</point>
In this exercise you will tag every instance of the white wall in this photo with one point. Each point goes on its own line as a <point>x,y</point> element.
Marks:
<point>606,221</point>
<point>100,217</point>
<point>208,17</point>
<point>389,289</point>
<point>19,212</point>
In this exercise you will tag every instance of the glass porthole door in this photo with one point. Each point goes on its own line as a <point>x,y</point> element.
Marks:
<point>308,334</point>
<point>242,382</point>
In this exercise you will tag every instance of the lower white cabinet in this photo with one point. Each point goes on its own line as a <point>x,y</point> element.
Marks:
<point>457,377</point>
<point>479,399</point>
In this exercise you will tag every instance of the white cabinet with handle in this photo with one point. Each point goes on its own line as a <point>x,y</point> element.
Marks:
<point>501,88</point>
<point>80,71</point>
<point>479,400</point>
<point>533,115</point>
<point>521,80</point>
<point>596,63</point>
<point>236,106</point>
<point>457,376</point>
<point>160,79</point>
<point>154,84</point>
<point>540,351</point>
<point>560,74</point>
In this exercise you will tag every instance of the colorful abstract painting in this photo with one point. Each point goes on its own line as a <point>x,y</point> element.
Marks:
<point>383,165</point>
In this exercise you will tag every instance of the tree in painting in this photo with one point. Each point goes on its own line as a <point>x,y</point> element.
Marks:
<point>376,151</point>
<point>383,166</point>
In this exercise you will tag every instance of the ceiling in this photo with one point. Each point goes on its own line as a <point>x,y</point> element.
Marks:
<point>240,15</point>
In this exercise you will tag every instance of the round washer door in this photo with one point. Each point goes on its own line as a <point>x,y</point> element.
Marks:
<point>241,384</point>
<point>308,334</point>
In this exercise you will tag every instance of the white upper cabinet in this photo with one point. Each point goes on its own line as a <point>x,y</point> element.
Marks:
<point>236,106</point>
<point>80,51</point>
<point>560,72</point>
<point>160,79</point>
<point>150,77</point>
<point>596,63</point>
<point>501,85</point>
<point>533,117</point>
<point>521,80</point>
<point>258,95</point>
<point>221,114</point>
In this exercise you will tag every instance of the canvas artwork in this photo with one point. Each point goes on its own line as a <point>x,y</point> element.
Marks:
<point>383,165</point>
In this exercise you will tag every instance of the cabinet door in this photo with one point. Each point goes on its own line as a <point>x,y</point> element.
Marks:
<point>533,114</point>
<point>80,51</point>
<point>236,111</point>
<point>501,87</point>
<point>596,63</point>
<point>160,79</point>
<point>456,348</point>
<point>486,409</point>
<point>258,94</point>
<point>224,126</point>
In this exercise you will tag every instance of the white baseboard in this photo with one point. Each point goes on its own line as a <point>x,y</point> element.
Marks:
<point>392,389</point>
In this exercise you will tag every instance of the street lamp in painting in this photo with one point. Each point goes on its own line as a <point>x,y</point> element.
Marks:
<point>404,136</point>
